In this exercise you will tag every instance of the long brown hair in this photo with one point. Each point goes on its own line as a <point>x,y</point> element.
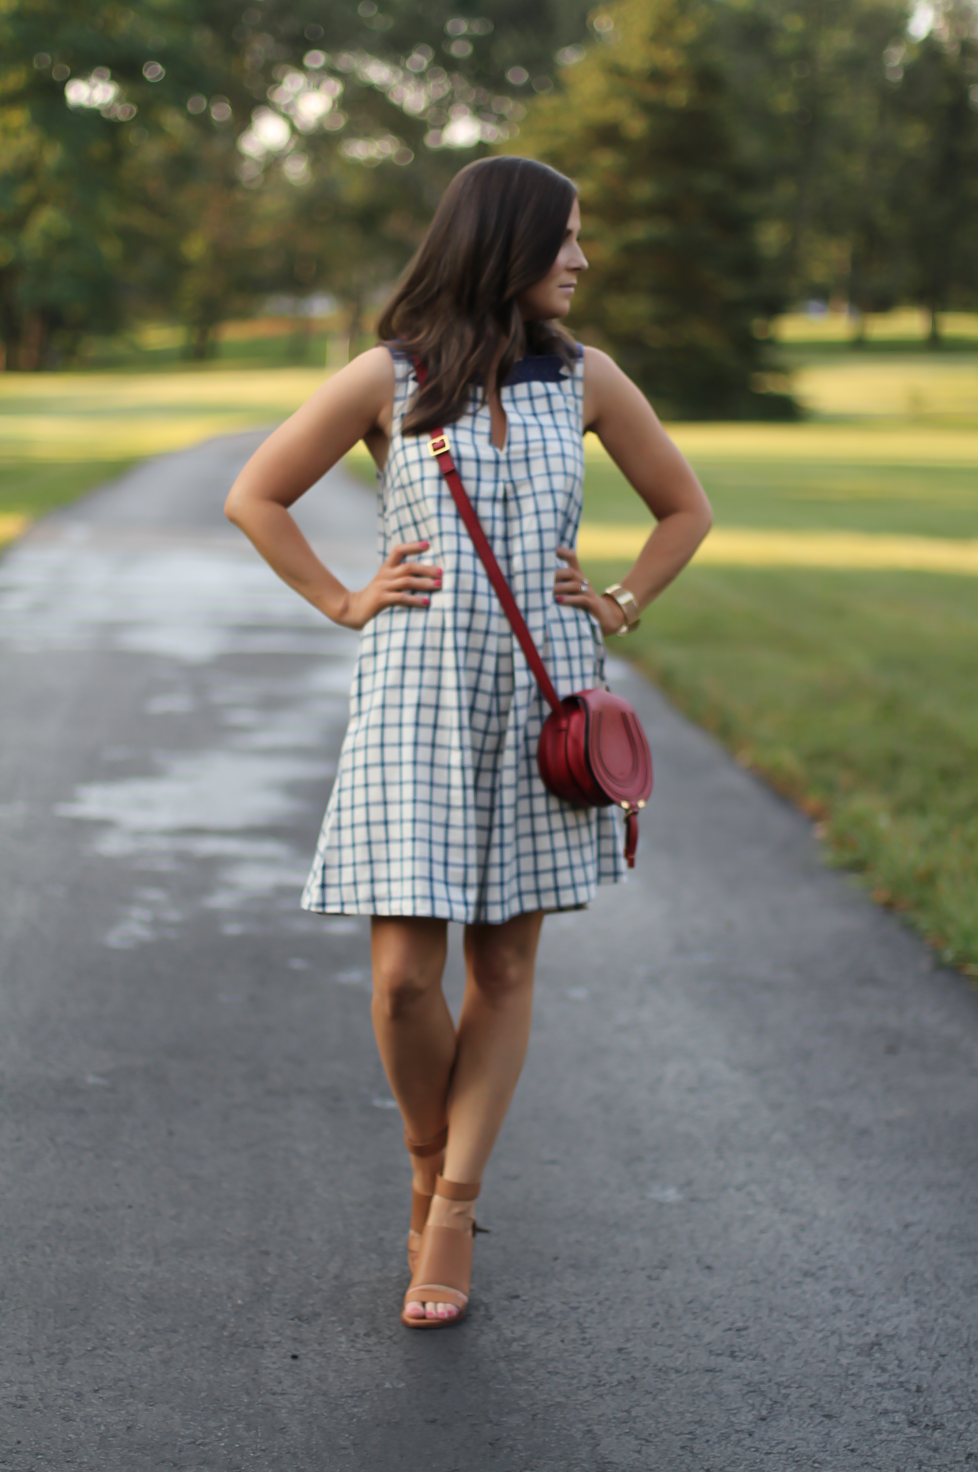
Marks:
<point>497,231</point>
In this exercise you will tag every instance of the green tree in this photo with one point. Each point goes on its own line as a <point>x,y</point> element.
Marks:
<point>137,147</point>
<point>863,115</point>
<point>815,113</point>
<point>935,190</point>
<point>80,90</point>
<point>59,246</point>
<point>678,286</point>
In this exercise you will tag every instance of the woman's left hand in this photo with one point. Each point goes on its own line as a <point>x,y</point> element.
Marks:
<point>571,586</point>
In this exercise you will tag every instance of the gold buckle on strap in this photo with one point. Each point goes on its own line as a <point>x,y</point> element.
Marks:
<point>438,444</point>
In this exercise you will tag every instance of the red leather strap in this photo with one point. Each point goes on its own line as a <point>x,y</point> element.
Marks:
<point>467,512</point>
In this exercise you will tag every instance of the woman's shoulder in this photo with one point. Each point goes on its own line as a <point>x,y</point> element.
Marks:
<point>369,372</point>
<point>365,384</point>
<point>372,362</point>
<point>401,360</point>
<point>598,364</point>
<point>601,374</point>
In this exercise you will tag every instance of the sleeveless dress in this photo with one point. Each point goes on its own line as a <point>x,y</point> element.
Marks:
<point>438,808</point>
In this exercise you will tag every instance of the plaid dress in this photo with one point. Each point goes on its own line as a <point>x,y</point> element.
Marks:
<point>438,808</point>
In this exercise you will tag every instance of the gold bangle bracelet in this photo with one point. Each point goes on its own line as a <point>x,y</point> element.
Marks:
<point>628,604</point>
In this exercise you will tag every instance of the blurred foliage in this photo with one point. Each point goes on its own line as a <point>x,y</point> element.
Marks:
<point>648,126</point>
<point>936,175</point>
<point>190,158</point>
<point>872,144</point>
<point>735,156</point>
<point>192,155</point>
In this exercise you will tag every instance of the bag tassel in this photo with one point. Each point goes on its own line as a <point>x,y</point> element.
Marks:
<point>631,836</point>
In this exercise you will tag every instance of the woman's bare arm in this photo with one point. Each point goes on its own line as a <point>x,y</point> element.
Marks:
<point>354,404</point>
<point>628,427</point>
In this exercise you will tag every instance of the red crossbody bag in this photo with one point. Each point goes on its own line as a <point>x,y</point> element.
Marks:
<point>592,750</point>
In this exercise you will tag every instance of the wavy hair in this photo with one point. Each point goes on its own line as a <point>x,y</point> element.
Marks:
<point>496,232</point>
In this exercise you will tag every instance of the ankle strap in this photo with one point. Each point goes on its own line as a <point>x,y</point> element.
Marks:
<point>423,1148</point>
<point>457,1190</point>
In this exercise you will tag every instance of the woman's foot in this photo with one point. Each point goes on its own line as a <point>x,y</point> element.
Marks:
<point>440,1285</point>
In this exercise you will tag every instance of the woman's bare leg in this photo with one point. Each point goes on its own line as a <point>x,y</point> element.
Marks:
<point>412,1023</point>
<point>493,1032</point>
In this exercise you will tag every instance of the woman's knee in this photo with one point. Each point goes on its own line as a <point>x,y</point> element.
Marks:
<point>408,960</point>
<point>400,990</point>
<point>501,973</point>
<point>501,959</point>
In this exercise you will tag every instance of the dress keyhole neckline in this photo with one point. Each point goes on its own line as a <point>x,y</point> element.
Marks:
<point>498,419</point>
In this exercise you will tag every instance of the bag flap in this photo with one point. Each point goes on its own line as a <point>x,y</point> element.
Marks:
<point>617,749</point>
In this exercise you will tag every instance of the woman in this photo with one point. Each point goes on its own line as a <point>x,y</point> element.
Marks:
<point>438,812</point>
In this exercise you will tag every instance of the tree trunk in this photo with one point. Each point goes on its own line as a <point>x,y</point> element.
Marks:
<point>33,344</point>
<point>934,338</point>
<point>10,321</point>
<point>201,342</point>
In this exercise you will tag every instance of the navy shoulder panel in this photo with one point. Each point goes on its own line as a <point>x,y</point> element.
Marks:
<point>540,368</point>
<point>535,368</point>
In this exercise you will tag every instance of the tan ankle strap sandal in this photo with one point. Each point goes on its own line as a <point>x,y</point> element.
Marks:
<point>420,1200</point>
<point>443,1271</point>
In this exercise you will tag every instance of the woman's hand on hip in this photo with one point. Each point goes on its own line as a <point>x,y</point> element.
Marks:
<point>397,583</point>
<point>571,586</point>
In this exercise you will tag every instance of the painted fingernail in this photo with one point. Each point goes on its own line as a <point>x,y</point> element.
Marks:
<point>558,598</point>
<point>426,601</point>
<point>426,544</point>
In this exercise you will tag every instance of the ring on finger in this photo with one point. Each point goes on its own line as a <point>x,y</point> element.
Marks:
<point>585,585</point>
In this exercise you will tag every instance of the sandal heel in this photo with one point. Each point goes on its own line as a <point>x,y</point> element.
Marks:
<point>443,1272</point>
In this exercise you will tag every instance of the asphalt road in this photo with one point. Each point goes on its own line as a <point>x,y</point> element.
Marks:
<point>733,1210</point>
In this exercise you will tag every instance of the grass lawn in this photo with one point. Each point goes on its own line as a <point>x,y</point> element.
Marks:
<point>61,434</point>
<point>851,683</point>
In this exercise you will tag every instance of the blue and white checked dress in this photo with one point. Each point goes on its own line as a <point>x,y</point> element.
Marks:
<point>438,808</point>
